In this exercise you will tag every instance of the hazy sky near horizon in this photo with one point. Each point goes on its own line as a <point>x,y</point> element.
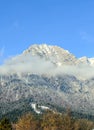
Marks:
<point>65,23</point>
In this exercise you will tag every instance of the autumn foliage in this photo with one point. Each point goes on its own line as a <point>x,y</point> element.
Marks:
<point>47,121</point>
<point>52,121</point>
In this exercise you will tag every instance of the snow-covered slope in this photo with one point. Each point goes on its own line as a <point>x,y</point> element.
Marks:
<point>91,60</point>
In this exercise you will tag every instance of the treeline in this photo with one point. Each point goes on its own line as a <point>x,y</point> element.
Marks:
<point>47,121</point>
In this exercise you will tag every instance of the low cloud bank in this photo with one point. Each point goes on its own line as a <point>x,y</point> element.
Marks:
<point>36,65</point>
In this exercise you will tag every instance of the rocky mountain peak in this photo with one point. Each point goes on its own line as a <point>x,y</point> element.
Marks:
<point>44,48</point>
<point>55,54</point>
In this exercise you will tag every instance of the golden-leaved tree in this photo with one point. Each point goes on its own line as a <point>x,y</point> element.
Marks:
<point>26,122</point>
<point>51,121</point>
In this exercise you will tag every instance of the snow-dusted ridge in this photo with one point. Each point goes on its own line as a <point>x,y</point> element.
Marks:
<point>57,55</point>
<point>53,54</point>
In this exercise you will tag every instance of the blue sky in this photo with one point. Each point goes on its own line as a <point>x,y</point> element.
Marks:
<point>66,23</point>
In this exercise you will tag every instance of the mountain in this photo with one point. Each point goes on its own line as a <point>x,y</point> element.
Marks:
<point>49,76</point>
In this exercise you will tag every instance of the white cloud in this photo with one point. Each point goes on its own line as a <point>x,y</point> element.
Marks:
<point>36,65</point>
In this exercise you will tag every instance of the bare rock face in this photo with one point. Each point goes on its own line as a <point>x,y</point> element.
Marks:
<point>49,75</point>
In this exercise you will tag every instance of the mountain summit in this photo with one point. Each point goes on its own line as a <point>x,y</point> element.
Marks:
<point>57,55</point>
<point>53,54</point>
